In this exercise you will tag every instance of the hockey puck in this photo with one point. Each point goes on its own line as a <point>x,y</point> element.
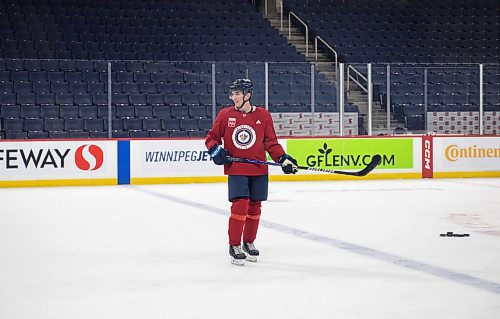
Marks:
<point>451,234</point>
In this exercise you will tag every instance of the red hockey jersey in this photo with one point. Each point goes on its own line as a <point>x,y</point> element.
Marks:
<point>245,135</point>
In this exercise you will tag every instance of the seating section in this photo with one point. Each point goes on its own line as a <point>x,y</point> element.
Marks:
<point>190,30</point>
<point>54,58</point>
<point>457,33</point>
<point>452,89</point>
<point>145,97</point>
<point>427,31</point>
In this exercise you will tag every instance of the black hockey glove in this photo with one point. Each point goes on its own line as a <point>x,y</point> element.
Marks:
<point>219,155</point>
<point>290,164</point>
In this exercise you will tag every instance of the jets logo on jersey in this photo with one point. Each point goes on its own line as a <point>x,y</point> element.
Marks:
<point>244,137</point>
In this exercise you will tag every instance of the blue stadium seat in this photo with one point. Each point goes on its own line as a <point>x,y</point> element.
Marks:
<point>4,75</point>
<point>173,99</point>
<point>58,134</point>
<point>8,99</point>
<point>120,134</point>
<point>155,99</point>
<point>162,112</point>
<point>199,134</point>
<point>125,77</point>
<point>138,99</point>
<point>139,134</point>
<point>142,77</point>
<point>64,99</point>
<point>78,87</point>
<point>59,87</point>
<point>100,99</point>
<point>171,124</point>
<point>15,65</point>
<point>144,111</point>
<point>55,76</point>
<point>16,135</point>
<point>98,134</point>
<point>132,124</point>
<point>73,124</point>
<point>93,125</point>
<point>15,124</point>
<point>37,135</point>
<point>166,88</point>
<point>45,99</point>
<point>87,111</point>
<point>158,77</point>
<point>96,87</point>
<point>129,87</point>
<point>30,111</point>
<point>33,124</point>
<point>68,65</point>
<point>125,111</point>
<point>83,99</point>
<point>78,134</point>
<point>151,124</point>
<point>197,111</point>
<point>148,88</point>
<point>190,99</point>
<point>18,76</point>
<point>159,134</point>
<point>178,134</point>
<point>68,111</point>
<point>53,124</point>
<point>180,111</point>
<point>73,76</point>
<point>103,111</point>
<point>205,123</point>
<point>84,66</point>
<point>91,77</point>
<point>38,76</point>
<point>26,99</point>
<point>119,99</point>
<point>49,111</point>
<point>6,87</point>
<point>10,111</point>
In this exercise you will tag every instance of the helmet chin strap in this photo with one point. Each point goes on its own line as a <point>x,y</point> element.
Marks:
<point>243,103</point>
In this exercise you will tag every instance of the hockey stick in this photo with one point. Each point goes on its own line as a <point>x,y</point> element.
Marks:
<point>376,159</point>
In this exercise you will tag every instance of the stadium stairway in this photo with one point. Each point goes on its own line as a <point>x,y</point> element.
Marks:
<point>325,65</point>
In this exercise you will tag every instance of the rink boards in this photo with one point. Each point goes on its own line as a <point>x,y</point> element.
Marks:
<point>151,161</point>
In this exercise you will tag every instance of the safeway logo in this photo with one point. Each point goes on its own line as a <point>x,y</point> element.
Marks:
<point>89,157</point>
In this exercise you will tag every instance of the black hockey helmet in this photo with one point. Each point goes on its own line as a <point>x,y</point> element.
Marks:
<point>243,85</point>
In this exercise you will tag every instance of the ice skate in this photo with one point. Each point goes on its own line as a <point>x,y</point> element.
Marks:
<point>251,252</point>
<point>237,255</point>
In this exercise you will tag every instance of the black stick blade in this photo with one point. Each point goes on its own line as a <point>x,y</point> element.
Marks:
<point>376,159</point>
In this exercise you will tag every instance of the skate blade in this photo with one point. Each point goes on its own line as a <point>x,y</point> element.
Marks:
<point>237,262</point>
<point>250,258</point>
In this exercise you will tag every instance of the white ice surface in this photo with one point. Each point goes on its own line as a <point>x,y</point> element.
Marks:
<point>327,251</point>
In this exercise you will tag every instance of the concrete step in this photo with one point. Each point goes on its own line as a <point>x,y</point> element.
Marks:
<point>356,95</point>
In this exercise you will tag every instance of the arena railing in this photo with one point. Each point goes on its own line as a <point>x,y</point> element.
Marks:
<point>414,98</point>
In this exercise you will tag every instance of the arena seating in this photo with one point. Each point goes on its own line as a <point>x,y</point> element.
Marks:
<point>419,34</point>
<point>54,55</point>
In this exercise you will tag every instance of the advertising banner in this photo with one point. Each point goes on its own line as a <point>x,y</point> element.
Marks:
<point>36,163</point>
<point>156,161</point>
<point>427,163</point>
<point>461,156</point>
<point>354,153</point>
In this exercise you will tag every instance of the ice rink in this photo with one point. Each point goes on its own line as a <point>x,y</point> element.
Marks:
<point>340,249</point>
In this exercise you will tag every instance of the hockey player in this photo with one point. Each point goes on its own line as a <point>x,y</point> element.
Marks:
<point>245,131</point>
